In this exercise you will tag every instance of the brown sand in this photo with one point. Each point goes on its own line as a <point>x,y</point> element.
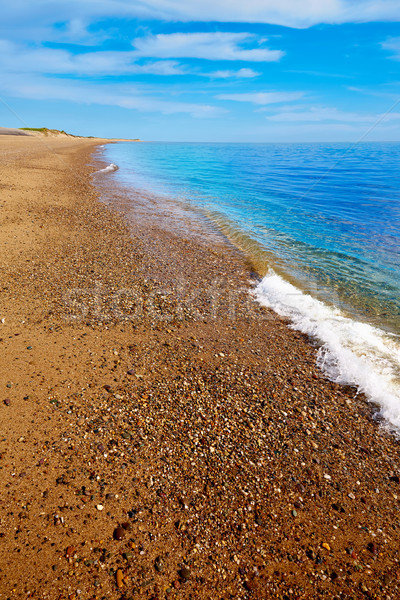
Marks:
<point>145,398</point>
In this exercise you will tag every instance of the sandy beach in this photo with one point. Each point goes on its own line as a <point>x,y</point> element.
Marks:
<point>163,436</point>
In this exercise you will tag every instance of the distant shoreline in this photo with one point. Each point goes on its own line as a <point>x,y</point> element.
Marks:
<point>55,133</point>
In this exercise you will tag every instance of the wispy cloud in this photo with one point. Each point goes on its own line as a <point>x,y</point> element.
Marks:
<point>23,59</point>
<point>393,45</point>
<point>210,46</point>
<point>292,13</point>
<point>122,95</point>
<point>326,114</point>
<point>239,74</point>
<point>262,98</point>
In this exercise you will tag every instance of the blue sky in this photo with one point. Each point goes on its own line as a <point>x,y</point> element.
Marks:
<point>203,70</point>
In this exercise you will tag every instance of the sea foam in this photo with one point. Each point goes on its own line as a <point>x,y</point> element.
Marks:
<point>351,352</point>
<point>111,167</point>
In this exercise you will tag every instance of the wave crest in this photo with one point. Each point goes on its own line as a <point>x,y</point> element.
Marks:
<point>351,352</point>
<point>111,167</point>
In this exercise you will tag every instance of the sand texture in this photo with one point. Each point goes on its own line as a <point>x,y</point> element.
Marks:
<point>161,435</point>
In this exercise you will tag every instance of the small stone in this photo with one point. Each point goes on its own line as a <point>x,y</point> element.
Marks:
<point>248,585</point>
<point>100,507</point>
<point>7,401</point>
<point>294,513</point>
<point>158,565</point>
<point>29,347</point>
<point>372,548</point>
<point>326,546</point>
<point>131,372</point>
<point>184,573</point>
<point>70,551</point>
<point>126,435</point>
<point>119,533</point>
<point>119,578</point>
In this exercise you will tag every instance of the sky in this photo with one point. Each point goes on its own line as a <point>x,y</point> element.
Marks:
<point>203,70</point>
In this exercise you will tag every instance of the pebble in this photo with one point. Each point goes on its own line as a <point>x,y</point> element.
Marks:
<point>158,565</point>
<point>120,578</point>
<point>372,548</point>
<point>184,573</point>
<point>7,401</point>
<point>131,372</point>
<point>100,507</point>
<point>326,546</point>
<point>70,551</point>
<point>119,533</point>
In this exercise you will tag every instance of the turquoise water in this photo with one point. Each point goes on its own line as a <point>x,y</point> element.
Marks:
<point>321,218</point>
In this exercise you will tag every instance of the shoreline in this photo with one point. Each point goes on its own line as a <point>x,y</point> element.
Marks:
<point>354,349</point>
<point>180,417</point>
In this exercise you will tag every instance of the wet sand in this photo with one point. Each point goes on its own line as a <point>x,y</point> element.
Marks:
<point>162,436</point>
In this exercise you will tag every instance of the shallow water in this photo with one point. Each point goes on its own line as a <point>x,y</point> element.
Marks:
<point>321,223</point>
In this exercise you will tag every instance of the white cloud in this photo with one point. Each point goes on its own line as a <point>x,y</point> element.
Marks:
<point>21,15</point>
<point>22,59</point>
<point>239,74</point>
<point>392,44</point>
<point>123,95</point>
<point>262,98</point>
<point>210,46</point>
<point>325,114</point>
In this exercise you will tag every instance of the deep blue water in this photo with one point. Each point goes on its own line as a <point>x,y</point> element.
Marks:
<point>325,216</point>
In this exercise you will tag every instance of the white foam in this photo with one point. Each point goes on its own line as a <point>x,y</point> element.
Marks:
<point>108,169</point>
<point>351,352</point>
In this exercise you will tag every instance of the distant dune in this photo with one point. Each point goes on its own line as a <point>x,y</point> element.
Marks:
<point>11,131</point>
<point>45,132</point>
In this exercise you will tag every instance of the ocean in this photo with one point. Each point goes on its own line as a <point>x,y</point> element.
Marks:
<point>321,225</point>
